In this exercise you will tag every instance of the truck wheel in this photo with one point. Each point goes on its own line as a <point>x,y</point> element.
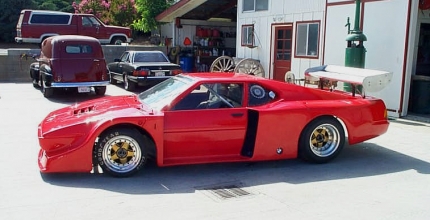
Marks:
<point>117,40</point>
<point>321,140</point>
<point>122,152</point>
<point>100,90</point>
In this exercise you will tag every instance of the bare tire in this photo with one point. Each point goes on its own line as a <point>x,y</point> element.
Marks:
<point>121,152</point>
<point>100,90</point>
<point>129,85</point>
<point>322,140</point>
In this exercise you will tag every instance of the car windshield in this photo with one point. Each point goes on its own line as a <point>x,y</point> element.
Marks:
<point>165,92</point>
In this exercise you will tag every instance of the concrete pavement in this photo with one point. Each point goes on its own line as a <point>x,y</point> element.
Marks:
<point>384,178</point>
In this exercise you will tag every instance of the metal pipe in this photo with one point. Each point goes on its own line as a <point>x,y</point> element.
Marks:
<point>357,16</point>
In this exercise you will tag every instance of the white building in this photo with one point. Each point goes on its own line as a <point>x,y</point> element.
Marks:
<point>293,35</point>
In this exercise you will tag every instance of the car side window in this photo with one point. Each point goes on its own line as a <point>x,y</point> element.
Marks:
<point>258,95</point>
<point>193,99</point>
<point>124,57</point>
<point>222,95</point>
<point>213,96</point>
<point>86,22</point>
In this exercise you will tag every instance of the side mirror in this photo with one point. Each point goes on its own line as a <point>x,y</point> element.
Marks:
<point>117,60</point>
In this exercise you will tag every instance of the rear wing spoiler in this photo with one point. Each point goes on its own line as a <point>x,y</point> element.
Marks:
<point>371,80</point>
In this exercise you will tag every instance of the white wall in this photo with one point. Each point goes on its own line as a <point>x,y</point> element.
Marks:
<point>386,38</point>
<point>280,12</point>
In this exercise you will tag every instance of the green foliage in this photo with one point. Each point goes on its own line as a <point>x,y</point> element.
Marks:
<point>10,11</point>
<point>55,5</point>
<point>148,10</point>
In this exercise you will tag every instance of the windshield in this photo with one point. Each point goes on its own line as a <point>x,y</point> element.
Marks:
<point>165,92</point>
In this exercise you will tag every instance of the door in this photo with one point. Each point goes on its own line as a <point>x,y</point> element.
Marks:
<point>208,132</point>
<point>282,51</point>
<point>91,27</point>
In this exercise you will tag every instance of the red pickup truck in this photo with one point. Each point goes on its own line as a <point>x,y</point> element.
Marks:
<point>36,25</point>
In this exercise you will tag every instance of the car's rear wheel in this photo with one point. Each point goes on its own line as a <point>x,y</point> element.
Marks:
<point>47,92</point>
<point>121,152</point>
<point>129,85</point>
<point>100,90</point>
<point>322,140</point>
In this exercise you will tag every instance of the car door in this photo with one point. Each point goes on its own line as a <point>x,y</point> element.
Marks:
<point>116,68</point>
<point>196,134</point>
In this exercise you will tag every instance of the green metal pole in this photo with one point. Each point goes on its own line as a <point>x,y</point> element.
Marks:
<point>355,51</point>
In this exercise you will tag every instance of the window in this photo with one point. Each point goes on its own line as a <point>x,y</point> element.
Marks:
<point>258,95</point>
<point>247,35</point>
<point>125,58</point>
<point>49,19</point>
<point>213,96</point>
<point>255,5</point>
<point>78,49</point>
<point>307,36</point>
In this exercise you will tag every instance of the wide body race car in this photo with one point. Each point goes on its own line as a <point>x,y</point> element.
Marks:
<point>215,117</point>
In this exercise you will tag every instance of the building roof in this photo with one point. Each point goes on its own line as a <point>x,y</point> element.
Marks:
<point>200,10</point>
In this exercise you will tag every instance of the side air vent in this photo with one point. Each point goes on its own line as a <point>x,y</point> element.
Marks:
<point>83,110</point>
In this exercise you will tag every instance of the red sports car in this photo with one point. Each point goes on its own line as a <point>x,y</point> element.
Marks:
<point>210,118</point>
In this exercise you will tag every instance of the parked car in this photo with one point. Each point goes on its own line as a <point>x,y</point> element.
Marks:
<point>142,68</point>
<point>207,118</point>
<point>70,62</point>
<point>36,25</point>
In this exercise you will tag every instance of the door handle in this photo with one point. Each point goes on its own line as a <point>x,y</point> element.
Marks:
<point>236,115</point>
<point>96,60</point>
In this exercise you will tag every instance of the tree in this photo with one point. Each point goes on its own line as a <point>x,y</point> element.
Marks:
<point>148,10</point>
<point>116,12</point>
<point>10,11</point>
<point>55,5</point>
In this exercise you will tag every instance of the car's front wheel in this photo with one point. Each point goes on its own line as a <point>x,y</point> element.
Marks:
<point>121,152</point>
<point>100,90</point>
<point>321,140</point>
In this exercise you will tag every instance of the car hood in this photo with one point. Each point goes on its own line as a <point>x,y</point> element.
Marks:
<point>87,114</point>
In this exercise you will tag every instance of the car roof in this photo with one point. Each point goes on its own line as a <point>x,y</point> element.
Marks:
<point>73,38</point>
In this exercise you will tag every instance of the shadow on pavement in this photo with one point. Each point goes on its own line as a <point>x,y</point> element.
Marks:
<point>361,160</point>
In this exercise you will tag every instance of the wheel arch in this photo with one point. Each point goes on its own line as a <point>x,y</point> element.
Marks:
<point>345,129</point>
<point>116,35</point>
<point>152,151</point>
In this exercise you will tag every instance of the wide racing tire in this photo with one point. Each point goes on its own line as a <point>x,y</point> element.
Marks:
<point>122,152</point>
<point>322,140</point>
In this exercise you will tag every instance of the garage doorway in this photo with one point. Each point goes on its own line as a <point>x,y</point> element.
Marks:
<point>419,98</point>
